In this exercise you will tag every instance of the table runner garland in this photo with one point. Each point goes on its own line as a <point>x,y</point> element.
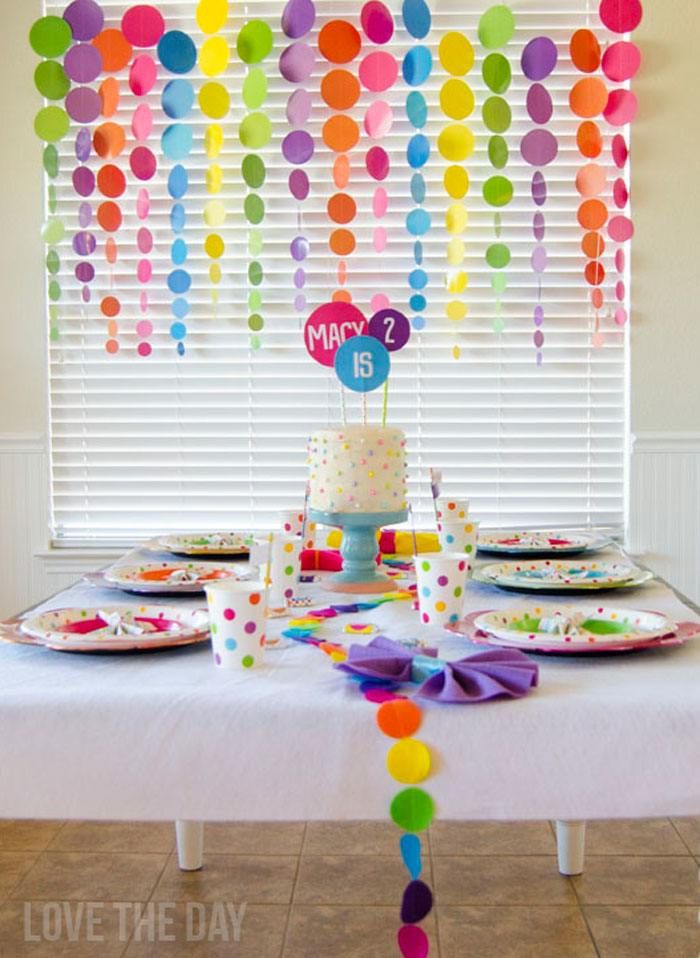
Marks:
<point>88,63</point>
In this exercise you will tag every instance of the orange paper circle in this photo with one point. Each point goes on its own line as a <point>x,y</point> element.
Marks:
<point>342,208</point>
<point>342,242</point>
<point>591,180</point>
<point>597,298</point>
<point>109,140</point>
<point>340,89</point>
<point>585,51</point>
<point>114,48</point>
<point>399,718</point>
<point>341,296</point>
<point>109,216</point>
<point>593,245</point>
<point>595,273</point>
<point>111,181</point>
<point>339,41</point>
<point>589,97</point>
<point>110,306</point>
<point>589,139</point>
<point>340,133</point>
<point>341,172</point>
<point>109,95</point>
<point>593,214</point>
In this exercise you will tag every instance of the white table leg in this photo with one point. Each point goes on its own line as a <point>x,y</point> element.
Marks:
<point>190,845</point>
<point>571,847</point>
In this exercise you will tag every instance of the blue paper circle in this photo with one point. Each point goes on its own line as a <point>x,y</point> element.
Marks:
<point>179,281</point>
<point>418,252</point>
<point>416,109</point>
<point>177,52</point>
<point>177,218</point>
<point>416,18</point>
<point>177,98</point>
<point>178,182</point>
<point>178,330</point>
<point>417,65</point>
<point>181,348</point>
<point>418,222</point>
<point>176,141</point>
<point>362,363</point>
<point>179,252</point>
<point>417,188</point>
<point>418,323</point>
<point>180,308</point>
<point>418,279</point>
<point>417,303</point>
<point>418,151</point>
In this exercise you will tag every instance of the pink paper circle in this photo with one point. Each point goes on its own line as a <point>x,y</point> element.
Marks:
<point>620,229</point>
<point>299,107</point>
<point>143,25</point>
<point>377,163</point>
<point>142,121</point>
<point>144,240</point>
<point>299,184</point>
<point>380,202</point>
<point>144,328</point>
<point>621,16</point>
<point>142,75</point>
<point>83,104</point>
<point>143,203</point>
<point>377,22</point>
<point>378,119</point>
<point>144,271</point>
<point>379,239</point>
<point>591,180</point>
<point>620,151</point>
<point>144,349</point>
<point>621,61</point>
<point>297,62</point>
<point>620,291</point>
<point>539,147</point>
<point>621,108</point>
<point>143,163</point>
<point>620,193</point>
<point>621,316</point>
<point>83,63</point>
<point>620,261</point>
<point>143,301</point>
<point>379,301</point>
<point>378,71</point>
<point>329,326</point>
<point>539,104</point>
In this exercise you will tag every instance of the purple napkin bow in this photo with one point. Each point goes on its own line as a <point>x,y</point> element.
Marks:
<point>497,673</point>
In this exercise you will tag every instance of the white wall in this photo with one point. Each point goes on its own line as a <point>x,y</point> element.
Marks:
<point>665,330</point>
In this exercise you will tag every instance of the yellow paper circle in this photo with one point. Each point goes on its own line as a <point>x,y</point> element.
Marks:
<point>456,219</point>
<point>455,251</point>
<point>457,282</point>
<point>214,100</point>
<point>456,99</point>
<point>215,273</point>
<point>213,140</point>
<point>456,142</point>
<point>456,310</point>
<point>456,352</point>
<point>456,182</point>
<point>212,15</point>
<point>215,178</point>
<point>214,56</point>
<point>408,761</point>
<point>214,246</point>
<point>456,53</point>
<point>214,213</point>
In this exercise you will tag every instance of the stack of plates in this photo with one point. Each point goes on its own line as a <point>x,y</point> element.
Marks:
<point>531,544</point>
<point>548,575</point>
<point>166,577</point>
<point>206,544</point>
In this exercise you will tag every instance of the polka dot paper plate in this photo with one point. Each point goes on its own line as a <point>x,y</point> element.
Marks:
<point>167,577</point>
<point>529,543</point>
<point>116,628</point>
<point>548,575</point>
<point>572,628</point>
<point>206,544</point>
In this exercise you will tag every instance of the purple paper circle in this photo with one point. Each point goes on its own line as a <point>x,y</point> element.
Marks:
<point>84,214</point>
<point>539,259</point>
<point>85,272</point>
<point>391,328</point>
<point>299,248</point>
<point>297,147</point>
<point>83,145</point>
<point>539,58</point>
<point>86,294</point>
<point>300,302</point>
<point>538,338</point>
<point>83,181</point>
<point>85,18</point>
<point>297,62</point>
<point>538,226</point>
<point>84,244</point>
<point>83,104</point>
<point>299,278</point>
<point>298,184</point>
<point>298,18</point>
<point>83,63</point>
<point>299,107</point>
<point>539,104</point>
<point>539,189</point>
<point>539,147</point>
<point>538,315</point>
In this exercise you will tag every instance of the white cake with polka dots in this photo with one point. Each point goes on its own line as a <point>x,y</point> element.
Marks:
<point>357,469</point>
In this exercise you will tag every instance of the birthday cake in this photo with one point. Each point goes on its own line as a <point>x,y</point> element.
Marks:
<point>357,469</point>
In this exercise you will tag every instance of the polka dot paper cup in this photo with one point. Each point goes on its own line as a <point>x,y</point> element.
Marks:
<point>237,623</point>
<point>459,537</point>
<point>452,510</point>
<point>284,568</point>
<point>291,522</point>
<point>441,578</point>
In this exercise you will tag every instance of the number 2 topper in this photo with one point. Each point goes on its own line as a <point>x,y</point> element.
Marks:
<point>391,328</point>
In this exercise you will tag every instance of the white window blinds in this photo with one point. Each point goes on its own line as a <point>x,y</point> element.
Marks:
<point>216,438</point>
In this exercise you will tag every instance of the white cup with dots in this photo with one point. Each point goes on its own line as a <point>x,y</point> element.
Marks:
<point>282,574</point>
<point>237,623</point>
<point>441,579</point>
<point>291,521</point>
<point>459,536</point>
<point>450,509</point>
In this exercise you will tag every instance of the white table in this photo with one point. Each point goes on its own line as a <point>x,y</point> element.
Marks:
<point>167,736</point>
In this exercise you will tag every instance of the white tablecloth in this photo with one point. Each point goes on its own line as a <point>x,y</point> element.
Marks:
<point>166,735</point>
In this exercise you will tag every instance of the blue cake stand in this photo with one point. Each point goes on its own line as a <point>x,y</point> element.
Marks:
<point>359,549</point>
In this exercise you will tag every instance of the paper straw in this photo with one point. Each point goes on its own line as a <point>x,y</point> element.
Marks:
<point>268,572</point>
<point>304,521</point>
<point>364,409</point>
<point>385,401</point>
<point>413,529</point>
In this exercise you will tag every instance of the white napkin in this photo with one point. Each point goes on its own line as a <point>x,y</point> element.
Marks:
<point>118,625</point>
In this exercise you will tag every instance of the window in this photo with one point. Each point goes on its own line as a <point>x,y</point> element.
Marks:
<point>216,438</point>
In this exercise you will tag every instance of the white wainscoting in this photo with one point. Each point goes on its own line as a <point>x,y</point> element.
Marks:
<point>664,508</point>
<point>664,518</point>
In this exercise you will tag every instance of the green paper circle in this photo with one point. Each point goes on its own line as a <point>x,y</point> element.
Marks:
<point>253,170</point>
<point>50,36</point>
<point>496,27</point>
<point>254,88</point>
<point>50,161</point>
<point>499,281</point>
<point>496,72</point>
<point>53,314</point>
<point>53,262</point>
<point>51,80</point>
<point>255,322</point>
<point>497,115</point>
<point>255,242</point>
<point>255,273</point>
<point>255,342</point>
<point>51,124</point>
<point>498,152</point>
<point>53,199</point>
<point>412,809</point>
<point>255,131</point>
<point>53,232</point>
<point>254,41</point>
<point>254,209</point>
<point>254,300</point>
<point>498,256</point>
<point>54,291</point>
<point>54,334</point>
<point>498,191</point>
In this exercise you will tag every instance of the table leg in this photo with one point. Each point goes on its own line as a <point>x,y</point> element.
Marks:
<point>571,847</point>
<point>190,845</point>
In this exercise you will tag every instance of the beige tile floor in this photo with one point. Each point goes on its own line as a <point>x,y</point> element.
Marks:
<point>331,891</point>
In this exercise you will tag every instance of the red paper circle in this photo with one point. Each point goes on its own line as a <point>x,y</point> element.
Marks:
<point>143,25</point>
<point>621,16</point>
